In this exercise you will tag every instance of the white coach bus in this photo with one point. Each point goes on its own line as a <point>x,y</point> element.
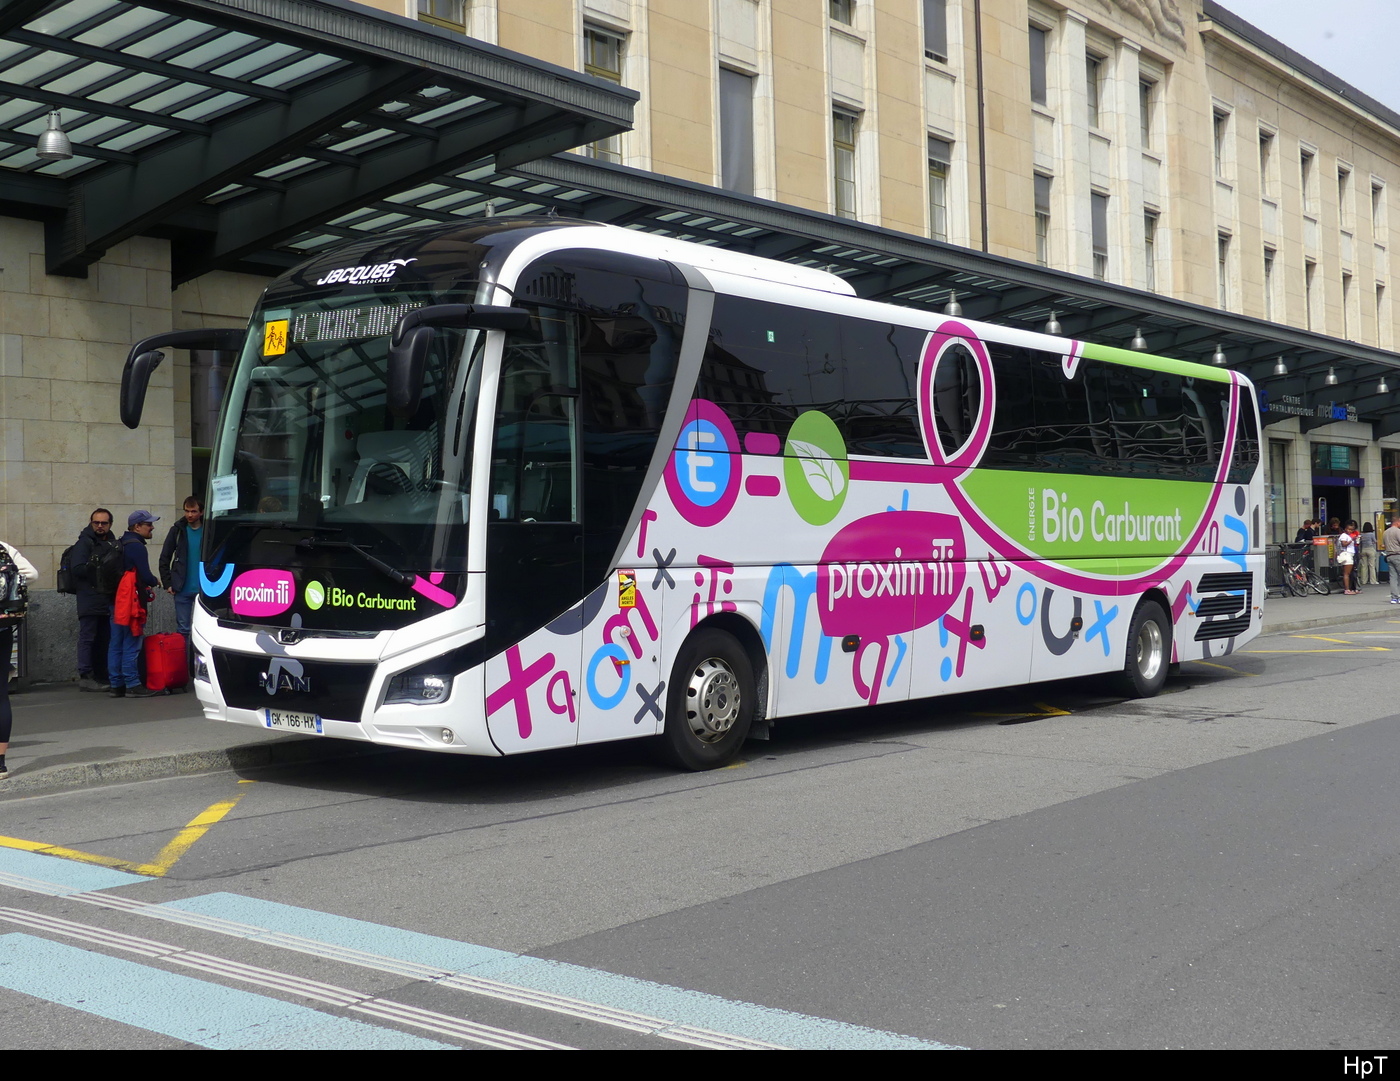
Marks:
<point>519,484</point>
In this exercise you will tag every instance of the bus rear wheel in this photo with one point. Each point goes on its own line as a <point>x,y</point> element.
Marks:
<point>710,704</point>
<point>1149,652</point>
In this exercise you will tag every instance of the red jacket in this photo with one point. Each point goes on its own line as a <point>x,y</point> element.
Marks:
<point>129,610</point>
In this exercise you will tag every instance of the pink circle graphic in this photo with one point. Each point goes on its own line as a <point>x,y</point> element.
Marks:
<point>705,470</point>
<point>936,347</point>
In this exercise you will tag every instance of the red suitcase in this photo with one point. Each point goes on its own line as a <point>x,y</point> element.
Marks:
<point>165,662</point>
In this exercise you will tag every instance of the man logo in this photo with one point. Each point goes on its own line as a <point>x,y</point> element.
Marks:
<point>284,681</point>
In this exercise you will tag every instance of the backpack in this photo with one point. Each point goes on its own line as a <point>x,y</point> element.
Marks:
<point>14,592</point>
<point>66,582</point>
<point>107,567</point>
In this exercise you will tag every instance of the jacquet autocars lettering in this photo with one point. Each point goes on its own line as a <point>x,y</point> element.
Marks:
<point>365,275</point>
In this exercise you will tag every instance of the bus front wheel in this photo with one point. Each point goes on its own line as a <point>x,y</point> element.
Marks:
<point>710,703</point>
<point>1149,652</point>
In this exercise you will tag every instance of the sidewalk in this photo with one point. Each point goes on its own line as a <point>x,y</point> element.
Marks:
<point>66,739</point>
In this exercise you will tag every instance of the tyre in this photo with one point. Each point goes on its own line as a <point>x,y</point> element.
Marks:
<point>710,703</point>
<point>1149,652</point>
<point>1318,584</point>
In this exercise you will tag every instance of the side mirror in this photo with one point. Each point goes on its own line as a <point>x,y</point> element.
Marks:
<point>146,356</point>
<point>413,337</point>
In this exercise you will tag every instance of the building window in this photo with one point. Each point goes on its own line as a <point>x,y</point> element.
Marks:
<point>736,131</point>
<point>1221,142</point>
<point>1098,213</point>
<point>1305,177</point>
<point>936,30</point>
<point>1382,318</point>
<point>940,155</point>
<point>1222,267</point>
<point>1093,86</point>
<point>1149,248</point>
<point>1309,274</point>
<point>843,163</point>
<point>1042,219</point>
<point>1378,210</point>
<point>1040,46</point>
<point>1147,110</point>
<point>1269,256</point>
<point>1279,531</point>
<point>1346,305</point>
<point>1390,475</point>
<point>1344,216</point>
<point>602,57</point>
<point>1266,163</point>
<point>449,14</point>
<point>842,11</point>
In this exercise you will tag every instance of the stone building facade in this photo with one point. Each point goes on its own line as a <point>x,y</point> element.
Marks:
<point>1161,145</point>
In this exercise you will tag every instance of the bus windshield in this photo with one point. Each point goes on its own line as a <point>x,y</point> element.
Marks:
<point>311,466</point>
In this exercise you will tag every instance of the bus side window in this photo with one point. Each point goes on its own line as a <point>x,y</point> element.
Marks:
<point>881,416</point>
<point>1014,443</point>
<point>767,363</point>
<point>534,463</point>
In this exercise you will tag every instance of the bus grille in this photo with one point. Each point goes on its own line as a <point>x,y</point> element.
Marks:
<point>1228,595</point>
<point>334,691</point>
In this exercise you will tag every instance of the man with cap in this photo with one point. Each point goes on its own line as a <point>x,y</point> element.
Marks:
<point>129,612</point>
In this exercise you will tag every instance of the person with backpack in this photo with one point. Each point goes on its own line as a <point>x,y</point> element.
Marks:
<point>135,592</point>
<point>10,615</point>
<point>95,564</point>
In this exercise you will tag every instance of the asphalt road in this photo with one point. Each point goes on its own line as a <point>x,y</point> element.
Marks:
<point>1218,867</point>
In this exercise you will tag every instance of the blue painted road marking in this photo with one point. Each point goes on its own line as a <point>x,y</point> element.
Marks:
<point>68,876</point>
<point>678,1004</point>
<point>205,1014</point>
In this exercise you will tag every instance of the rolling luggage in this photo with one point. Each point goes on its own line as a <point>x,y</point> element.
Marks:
<point>166,669</point>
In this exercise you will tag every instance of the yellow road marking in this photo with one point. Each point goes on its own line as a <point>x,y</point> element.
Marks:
<point>157,868</point>
<point>1041,710</point>
<point>1353,649</point>
<point>1321,638</point>
<point>735,765</point>
<point>1212,664</point>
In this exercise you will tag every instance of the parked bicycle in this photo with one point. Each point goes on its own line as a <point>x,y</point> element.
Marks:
<point>1296,574</point>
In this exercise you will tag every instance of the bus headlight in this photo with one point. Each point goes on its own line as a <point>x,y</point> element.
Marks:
<point>201,667</point>
<point>418,690</point>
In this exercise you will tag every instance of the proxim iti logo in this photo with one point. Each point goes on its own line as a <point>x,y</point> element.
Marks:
<point>262,593</point>
<point>366,275</point>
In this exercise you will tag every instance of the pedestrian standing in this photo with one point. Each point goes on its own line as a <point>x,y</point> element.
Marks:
<point>136,591</point>
<point>1391,542</point>
<point>179,562</point>
<point>1368,556</point>
<point>7,641</point>
<point>1346,557</point>
<point>94,598</point>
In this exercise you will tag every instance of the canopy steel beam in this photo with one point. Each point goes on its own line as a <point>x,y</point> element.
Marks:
<point>119,203</point>
<point>15,13</point>
<point>254,222</point>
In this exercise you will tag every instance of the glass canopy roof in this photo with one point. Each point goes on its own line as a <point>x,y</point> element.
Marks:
<point>255,133</point>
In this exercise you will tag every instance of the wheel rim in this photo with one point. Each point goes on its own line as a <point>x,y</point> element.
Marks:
<point>712,700</point>
<point>1149,649</point>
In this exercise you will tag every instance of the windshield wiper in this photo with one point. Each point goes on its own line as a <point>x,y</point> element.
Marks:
<point>310,544</point>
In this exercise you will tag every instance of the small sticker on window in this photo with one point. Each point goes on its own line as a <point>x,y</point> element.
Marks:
<point>275,337</point>
<point>224,491</point>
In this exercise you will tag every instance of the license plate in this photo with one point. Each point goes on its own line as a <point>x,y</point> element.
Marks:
<point>291,722</point>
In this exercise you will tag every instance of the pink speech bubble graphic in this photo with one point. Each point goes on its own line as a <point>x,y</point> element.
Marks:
<point>889,573</point>
<point>262,593</point>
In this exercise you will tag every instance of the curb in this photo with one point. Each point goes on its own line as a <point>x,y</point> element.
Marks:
<point>1335,620</point>
<point>188,763</point>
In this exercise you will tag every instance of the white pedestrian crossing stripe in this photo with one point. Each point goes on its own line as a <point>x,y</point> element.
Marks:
<point>674,1014</point>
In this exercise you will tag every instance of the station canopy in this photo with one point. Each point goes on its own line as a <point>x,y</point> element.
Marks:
<point>255,133</point>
